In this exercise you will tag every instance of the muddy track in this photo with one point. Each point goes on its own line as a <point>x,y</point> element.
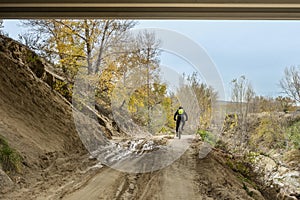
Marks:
<point>187,178</point>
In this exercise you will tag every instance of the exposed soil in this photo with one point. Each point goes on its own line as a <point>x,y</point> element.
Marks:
<point>36,121</point>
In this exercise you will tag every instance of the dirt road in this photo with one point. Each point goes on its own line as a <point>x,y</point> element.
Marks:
<point>187,178</point>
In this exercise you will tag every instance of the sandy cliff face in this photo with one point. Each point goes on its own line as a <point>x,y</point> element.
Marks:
<point>34,119</point>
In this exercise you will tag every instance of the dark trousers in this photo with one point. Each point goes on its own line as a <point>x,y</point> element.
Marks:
<point>178,123</point>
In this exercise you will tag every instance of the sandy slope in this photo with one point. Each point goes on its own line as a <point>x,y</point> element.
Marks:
<point>34,118</point>
<point>36,121</point>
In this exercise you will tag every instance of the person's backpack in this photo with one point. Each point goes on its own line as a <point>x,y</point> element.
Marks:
<point>180,111</point>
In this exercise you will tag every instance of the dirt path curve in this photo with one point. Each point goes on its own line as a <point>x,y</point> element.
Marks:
<point>187,178</point>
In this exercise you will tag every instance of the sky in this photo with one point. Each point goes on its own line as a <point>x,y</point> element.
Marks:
<point>260,50</point>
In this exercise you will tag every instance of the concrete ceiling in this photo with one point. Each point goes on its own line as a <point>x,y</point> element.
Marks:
<point>151,9</point>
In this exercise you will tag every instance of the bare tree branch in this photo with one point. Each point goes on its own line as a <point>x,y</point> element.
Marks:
<point>290,83</point>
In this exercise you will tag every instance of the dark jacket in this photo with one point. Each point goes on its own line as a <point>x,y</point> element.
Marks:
<point>182,116</point>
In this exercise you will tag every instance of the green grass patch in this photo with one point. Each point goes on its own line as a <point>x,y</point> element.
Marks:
<point>10,160</point>
<point>207,136</point>
<point>293,135</point>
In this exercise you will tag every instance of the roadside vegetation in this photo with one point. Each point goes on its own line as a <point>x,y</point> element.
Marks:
<point>10,159</point>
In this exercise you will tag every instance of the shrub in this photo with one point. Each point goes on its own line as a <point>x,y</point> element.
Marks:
<point>292,157</point>
<point>166,130</point>
<point>64,89</point>
<point>293,135</point>
<point>9,158</point>
<point>207,136</point>
<point>268,134</point>
<point>251,156</point>
<point>230,122</point>
<point>239,166</point>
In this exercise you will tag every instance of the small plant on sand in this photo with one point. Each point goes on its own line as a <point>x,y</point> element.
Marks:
<point>294,136</point>
<point>10,160</point>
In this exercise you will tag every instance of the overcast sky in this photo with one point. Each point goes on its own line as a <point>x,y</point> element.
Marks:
<point>260,50</point>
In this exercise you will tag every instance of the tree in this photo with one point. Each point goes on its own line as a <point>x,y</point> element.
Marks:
<point>206,97</point>
<point>193,88</point>
<point>148,53</point>
<point>140,67</point>
<point>290,83</point>
<point>111,55</point>
<point>241,95</point>
<point>75,43</point>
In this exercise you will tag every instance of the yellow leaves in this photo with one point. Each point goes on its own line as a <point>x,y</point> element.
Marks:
<point>230,122</point>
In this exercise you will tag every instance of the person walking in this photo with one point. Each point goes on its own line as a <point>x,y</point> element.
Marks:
<point>180,116</point>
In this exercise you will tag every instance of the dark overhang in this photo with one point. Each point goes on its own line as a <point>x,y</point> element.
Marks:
<point>151,9</point>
